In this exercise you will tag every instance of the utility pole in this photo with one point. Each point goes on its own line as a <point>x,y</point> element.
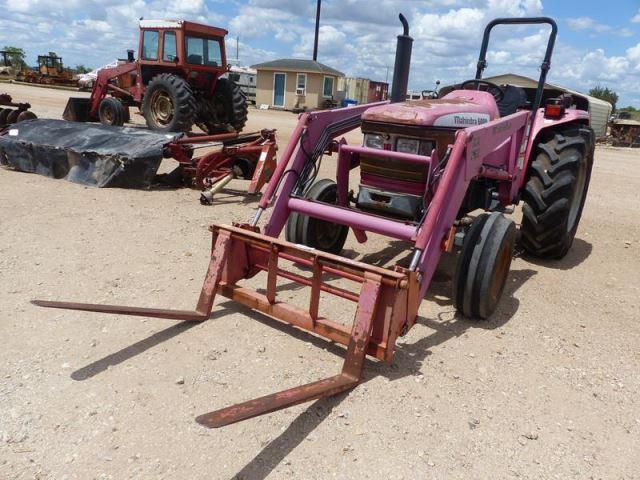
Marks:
<point>238,50</point>
<point>315,43</point>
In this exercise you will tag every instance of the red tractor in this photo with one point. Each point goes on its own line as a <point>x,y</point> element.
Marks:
<point>176,82</point>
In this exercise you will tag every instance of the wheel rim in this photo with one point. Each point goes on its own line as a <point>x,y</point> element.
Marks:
<point>162,109</point>
<point>327,234</point>
<point>578,195</point>
<point>500,272</point>
<point>109,114</point>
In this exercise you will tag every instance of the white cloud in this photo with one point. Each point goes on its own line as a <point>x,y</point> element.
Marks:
<point>590,25</point>
<point>636,18</point>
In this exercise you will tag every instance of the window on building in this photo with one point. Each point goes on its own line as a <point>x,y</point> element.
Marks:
<point>170,47</point>
<point>301,84</point>
<point>327,88</point>
<point>150,45</point>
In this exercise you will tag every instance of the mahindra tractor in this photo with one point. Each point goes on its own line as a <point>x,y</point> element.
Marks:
<point>439,174</point>
<point>176,83</point>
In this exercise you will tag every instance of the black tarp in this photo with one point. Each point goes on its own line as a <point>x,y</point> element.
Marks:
<point>90,154</point>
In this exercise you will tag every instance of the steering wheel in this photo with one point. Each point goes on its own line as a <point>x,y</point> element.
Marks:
<point>492,88</point>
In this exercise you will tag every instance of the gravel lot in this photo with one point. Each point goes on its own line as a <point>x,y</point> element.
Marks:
<point>548,388</point>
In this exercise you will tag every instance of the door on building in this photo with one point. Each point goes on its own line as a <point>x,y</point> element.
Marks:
<point>279,81</point>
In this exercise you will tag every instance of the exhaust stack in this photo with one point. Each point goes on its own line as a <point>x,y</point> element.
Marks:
<point>402,65</point>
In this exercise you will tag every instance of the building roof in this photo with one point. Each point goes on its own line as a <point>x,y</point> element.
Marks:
<point>528,82</point>
<point>298,65</point>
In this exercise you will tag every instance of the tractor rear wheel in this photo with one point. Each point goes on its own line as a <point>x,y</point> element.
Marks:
<point>111,112</point>
<point>313,232</point>
<point>483,265</point>
<point>555,193</point>
<point>169,104</point>
<point>226,112</point>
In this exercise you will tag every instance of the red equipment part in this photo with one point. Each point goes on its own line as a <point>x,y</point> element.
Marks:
<point>251,156</point>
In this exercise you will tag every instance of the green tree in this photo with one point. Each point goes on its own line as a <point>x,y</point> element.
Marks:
<point>606,94</point>
<point>80,68</point>
<point>16,57</point>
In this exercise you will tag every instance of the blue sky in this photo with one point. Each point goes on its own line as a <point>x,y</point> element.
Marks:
<point>598,43</point>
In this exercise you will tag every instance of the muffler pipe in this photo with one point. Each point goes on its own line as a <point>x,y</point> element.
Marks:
<point>402,65</point>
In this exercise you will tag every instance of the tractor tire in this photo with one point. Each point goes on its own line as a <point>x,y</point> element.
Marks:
<point>4,113</point>
<point>13,116</point>
<point>483,265</point>
<point>319,234</point>
<point>111,112</point>
<point>169,104</point>
<point>26,115</point>
<point>226,112</point>
<point>555,193</point>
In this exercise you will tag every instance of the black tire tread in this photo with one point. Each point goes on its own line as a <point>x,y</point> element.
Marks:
<point>185,102</point>
<point>118,111</point>
<point>548,192</point>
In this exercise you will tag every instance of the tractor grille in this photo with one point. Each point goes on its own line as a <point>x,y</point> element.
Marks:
<point>392,169</point>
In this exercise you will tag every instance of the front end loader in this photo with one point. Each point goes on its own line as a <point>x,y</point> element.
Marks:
<point>176,83</point>
<point>424,170</point>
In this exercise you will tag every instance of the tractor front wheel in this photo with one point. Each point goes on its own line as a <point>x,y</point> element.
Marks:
<point>313,232</point>
<point>555,193</point>
<point>169,104</point>
<point>111,112</point>
<point>483,265</point>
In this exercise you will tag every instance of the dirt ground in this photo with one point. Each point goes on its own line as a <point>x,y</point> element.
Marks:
<point>548,388</point>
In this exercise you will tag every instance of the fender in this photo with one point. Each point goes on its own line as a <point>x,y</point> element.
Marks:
<point>541,125</point>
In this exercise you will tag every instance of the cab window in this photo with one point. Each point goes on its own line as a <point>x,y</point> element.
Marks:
<point>202,51</point>
<point>170,47</point>
<point>150,45</point>
<point>214,55</point>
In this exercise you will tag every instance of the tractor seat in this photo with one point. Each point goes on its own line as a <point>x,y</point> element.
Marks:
<point>194,59</point>
<point>514,98</point>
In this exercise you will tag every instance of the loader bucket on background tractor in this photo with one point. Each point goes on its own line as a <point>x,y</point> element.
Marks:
<point>78,109</point>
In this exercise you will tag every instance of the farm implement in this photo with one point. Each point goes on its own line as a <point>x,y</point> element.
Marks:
<point>12,112</point>
<point>106,156</point>
<point>424,169</point>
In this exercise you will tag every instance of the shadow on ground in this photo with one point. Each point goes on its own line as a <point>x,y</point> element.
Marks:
<point>409,358</point>
<point>579,252</point>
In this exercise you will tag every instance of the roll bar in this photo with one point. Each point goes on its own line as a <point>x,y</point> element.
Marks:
<point>546,63</point>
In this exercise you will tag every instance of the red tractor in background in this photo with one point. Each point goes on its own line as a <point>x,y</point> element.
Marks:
<point>175,83</point>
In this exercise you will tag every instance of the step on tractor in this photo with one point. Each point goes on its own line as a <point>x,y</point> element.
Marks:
<point>176,83</point>
<point>425,170</point>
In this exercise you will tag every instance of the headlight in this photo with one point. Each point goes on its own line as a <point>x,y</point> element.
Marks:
<point>373,141</point>
<point>408,145</point>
